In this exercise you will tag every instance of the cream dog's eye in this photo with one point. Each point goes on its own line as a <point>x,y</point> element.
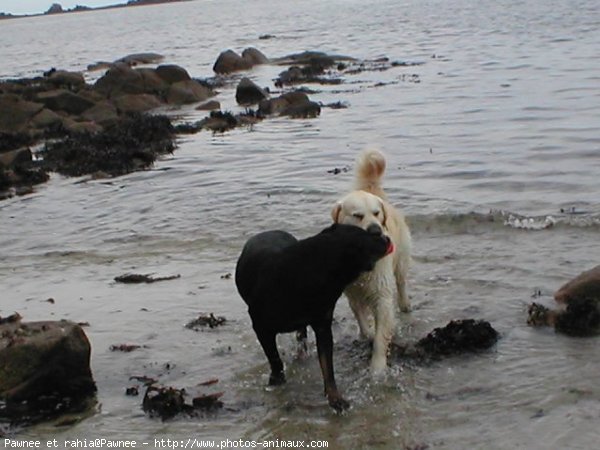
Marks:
<point>359,216</point>
<point>376,213</point>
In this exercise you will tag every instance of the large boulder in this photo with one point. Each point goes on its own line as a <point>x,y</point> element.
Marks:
<point>43,365</point>
<point>249,93</point>
<point>121,79</point>
<point>190,91</point>
<point>584,286</point>
<point>103,113</point>
<point>64,78</point>
<point>295,104</point>
<point>229,61</point>
<point>254,57</point>
<point>172,73</point>
<point>136,103</point>
<point>15,112</point>
<point>64,100</point>
<point>152,83</point>
<point>45,119</point>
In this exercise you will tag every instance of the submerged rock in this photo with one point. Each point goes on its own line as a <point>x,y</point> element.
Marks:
<point>581,315</point>
<point>44,370</point>
<point>229,61</point>
<point>295,104</point>
<point>249,93</point>
<point>140,58</point>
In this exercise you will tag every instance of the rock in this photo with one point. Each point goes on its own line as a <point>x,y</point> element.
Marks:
<point>120,79</point>
<point>73,126</point>
<point>581,318</point>
<point>64,100</point>
<point>585,285</point>
<point>140,58</point>
<point>312,58</point>
<point>13,141</point>
<point>172,73</point>
<point>211,105</point>
<point>305,74</point>
<point>44,368</point>
<point>15,113</point>
<point>248,92</point>
<point>294,104</point>
<point>100,65</point>
<point>136,103</point>
<point>63,78</point>
<point>152,83</point>
<point>305,110</point>
<point>254,57</point>
<point>45,119</point>
<point>190,91</point>
<point>103,113</point>
<point>15,157</point>
<point>229,61</point>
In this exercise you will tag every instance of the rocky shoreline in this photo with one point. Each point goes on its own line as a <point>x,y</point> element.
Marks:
<point>58,122</point>
<point>56,8</point>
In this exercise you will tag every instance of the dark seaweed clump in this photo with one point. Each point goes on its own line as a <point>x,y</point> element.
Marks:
<point>131,144</point>
<point>459,336</point>
<point>167,402</point>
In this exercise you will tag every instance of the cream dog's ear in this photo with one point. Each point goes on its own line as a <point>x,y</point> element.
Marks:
<point>335,212</point>
<point>385,211</point>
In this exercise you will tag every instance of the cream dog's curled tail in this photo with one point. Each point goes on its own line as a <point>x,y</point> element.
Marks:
<point>369,171</point>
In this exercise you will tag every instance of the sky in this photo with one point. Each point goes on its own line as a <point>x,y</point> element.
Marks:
<point>40,6</point>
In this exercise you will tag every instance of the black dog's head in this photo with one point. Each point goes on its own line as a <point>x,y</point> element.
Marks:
<point>361,249</point>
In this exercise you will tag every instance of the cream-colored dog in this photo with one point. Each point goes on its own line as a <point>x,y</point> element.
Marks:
<point>372,295</point>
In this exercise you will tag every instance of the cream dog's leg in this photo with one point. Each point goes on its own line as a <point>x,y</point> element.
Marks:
<point>385,324</point>
<point>361,312</point>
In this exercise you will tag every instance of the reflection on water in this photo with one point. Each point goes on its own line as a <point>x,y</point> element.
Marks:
<point>493,156</point>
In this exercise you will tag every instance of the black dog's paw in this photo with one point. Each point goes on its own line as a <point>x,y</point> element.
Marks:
<point>277,379</point>
<point>338,403</point>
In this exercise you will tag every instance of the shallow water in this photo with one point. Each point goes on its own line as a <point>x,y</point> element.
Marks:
<point>493,155</point>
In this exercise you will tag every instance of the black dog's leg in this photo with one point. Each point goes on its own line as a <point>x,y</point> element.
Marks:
<point>269,345</point>
<point>301,337</point>
<point>325,350</point>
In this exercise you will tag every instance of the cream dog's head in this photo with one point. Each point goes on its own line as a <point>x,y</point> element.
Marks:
<point>361,209</point>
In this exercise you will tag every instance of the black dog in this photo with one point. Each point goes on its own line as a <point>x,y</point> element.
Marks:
<point>289,284</point>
